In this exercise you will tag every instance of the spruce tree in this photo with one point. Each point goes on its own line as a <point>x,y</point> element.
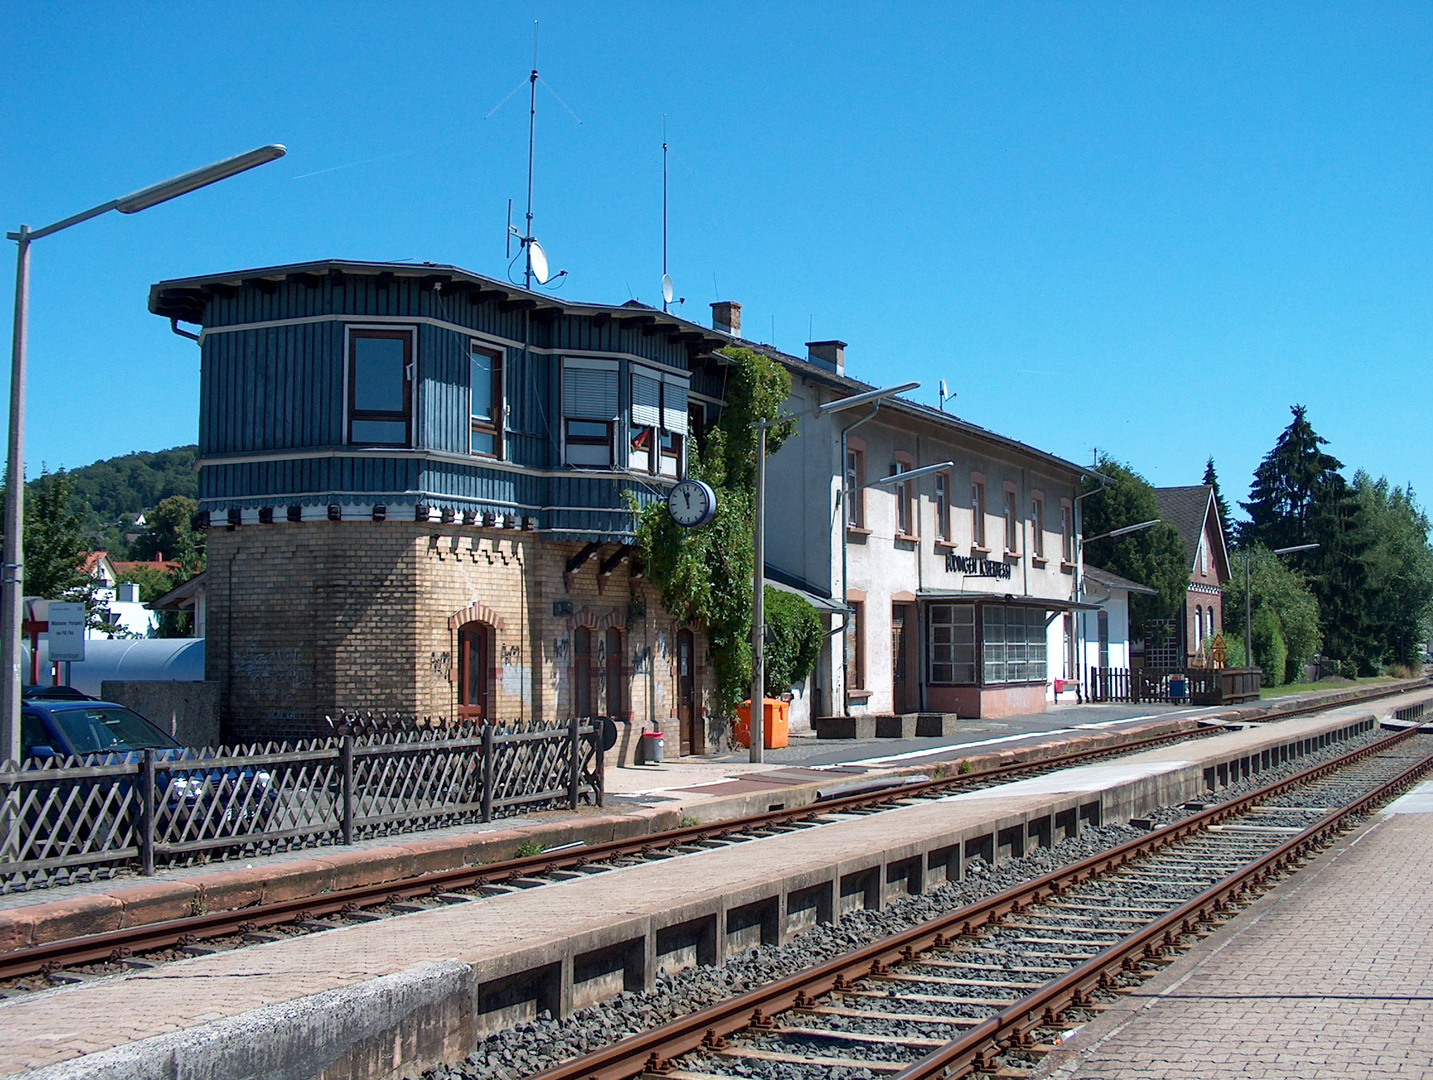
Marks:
<point>1211,479</point>
<point>1287,485</point>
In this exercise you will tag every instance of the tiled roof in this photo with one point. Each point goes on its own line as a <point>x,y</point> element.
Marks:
<point>1186,509</point>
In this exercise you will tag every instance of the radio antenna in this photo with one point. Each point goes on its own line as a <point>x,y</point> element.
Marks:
<point>531,144</point>
<point>666,278</point>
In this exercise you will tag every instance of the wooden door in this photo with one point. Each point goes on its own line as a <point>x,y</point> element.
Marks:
<point>582,672</point>
<point>616,677</point>
<point>900,656</point>
<point>475,666</point>
<point>686,689</point>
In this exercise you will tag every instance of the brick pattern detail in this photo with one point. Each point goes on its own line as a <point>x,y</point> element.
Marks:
<point>307,619</point>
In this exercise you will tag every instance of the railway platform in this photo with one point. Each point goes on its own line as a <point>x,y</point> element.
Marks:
<point>1329,975</point>
<point>379,998</point>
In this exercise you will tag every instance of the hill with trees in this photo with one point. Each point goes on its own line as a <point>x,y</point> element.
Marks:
<point>109,495</point>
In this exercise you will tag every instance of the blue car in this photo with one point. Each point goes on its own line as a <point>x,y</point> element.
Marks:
<point>190,803</point>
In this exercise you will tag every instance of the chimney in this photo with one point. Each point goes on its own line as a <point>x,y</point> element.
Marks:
<point>830,355</point>
<point>726,317</point>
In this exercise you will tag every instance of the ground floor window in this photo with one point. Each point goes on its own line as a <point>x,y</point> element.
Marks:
<point>952,643</point>
<point>1014,643</point>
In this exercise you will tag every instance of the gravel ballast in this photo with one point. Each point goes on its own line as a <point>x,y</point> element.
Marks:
<point>533,1047</point>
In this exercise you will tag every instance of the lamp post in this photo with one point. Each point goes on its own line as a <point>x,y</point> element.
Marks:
<point>1248,604</point>
<point>1123,530</point>
<point>12,573</point>
<point>758,574</point>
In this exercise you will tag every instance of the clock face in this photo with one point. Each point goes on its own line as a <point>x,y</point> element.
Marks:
<point>691,504</point>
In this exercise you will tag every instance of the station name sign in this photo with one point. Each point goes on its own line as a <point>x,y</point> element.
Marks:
<point>970,566</point>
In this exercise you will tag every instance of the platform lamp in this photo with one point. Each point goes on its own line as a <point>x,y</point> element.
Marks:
<point>1248,605</point>
<point>758,575</point>
<point>12,577</point>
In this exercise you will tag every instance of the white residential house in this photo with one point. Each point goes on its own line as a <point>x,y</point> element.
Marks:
<point>956,584</point>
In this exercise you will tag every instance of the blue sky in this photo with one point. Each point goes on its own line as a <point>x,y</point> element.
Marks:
<point>1146,228</point>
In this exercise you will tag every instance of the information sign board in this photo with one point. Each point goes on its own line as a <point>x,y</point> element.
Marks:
<point>67,631</point>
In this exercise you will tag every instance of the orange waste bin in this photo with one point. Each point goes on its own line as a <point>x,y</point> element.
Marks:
<point>775,721</point>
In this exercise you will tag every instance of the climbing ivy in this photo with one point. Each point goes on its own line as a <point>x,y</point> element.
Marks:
<point>704,575</point>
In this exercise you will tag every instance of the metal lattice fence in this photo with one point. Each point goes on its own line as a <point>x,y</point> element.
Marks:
<point>67,819</point>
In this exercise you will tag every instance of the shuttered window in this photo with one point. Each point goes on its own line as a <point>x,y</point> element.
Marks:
<point>674,404</point>
<point>590,404</point>
<point>589,390</point>
<point>646,399</point>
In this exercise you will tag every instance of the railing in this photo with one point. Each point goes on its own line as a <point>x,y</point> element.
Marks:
<point>376,776</point>
<point>1197,686</point>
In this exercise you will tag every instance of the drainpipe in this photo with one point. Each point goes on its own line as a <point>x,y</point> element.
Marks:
<point>1076,524</point>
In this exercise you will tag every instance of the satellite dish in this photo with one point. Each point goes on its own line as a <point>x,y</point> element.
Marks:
<point>538,258</point>
<point>667,291</point>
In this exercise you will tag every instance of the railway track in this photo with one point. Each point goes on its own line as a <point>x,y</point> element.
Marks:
<point>82,958</point>
<point>987,987</point>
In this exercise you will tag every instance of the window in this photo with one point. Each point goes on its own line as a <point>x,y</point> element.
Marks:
<point>380,387</point>
<point>977,514</point>
<point>1014,643</point>
<point>475,650</point>
<point>485,378</point>
<point>1037,525</point>
<point>905,499</point>
<point>855,480</point>
<point>1198,625</point>
<point>855,655</point>
<point>1203,554</point>
<point>952,643</point>
<point>1067,532</point>
<point>942,506</point>
<point>590,408</point>
<point>1012,522</point>
<point>658,422</point>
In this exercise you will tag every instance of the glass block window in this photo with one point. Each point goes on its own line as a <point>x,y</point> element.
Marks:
<point>952,643</point>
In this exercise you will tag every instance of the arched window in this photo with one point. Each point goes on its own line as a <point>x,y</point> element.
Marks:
<point>1209,621</point>
<point>616,684</point>
<point>582,672</point>
<point>1198,627</point>
<point>475,670</point>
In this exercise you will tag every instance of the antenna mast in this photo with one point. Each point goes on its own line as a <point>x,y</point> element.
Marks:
<point>531,142</point>
<point>664,206</point>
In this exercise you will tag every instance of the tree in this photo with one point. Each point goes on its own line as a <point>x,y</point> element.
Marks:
<point>1155,556</point>
<point>704,575</point>
<point>1300,497</point>
<point>154,581</point>
<point>1398,567</point>
<point>170,534</point>
<point>793,640</point>
<point>1284,592</point>
<point>1211,479</point>
<point>55,548</point>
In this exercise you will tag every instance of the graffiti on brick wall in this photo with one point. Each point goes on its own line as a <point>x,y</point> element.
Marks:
<point>561,657</point>
<point>662,647</point>
<point>642,661</point>
<point>271,674</point>
<point>510,654</point>
<point>441,664</point>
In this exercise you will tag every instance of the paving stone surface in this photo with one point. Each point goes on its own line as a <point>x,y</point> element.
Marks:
<point>1330,977</point>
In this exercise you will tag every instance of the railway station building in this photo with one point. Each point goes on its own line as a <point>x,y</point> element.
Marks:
<point>960,588</point>
<point>416,482</point>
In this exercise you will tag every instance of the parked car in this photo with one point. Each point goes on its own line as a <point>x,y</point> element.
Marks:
<point>190,803</point>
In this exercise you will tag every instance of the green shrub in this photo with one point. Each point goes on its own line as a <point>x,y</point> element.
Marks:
<point>1270,652</point>
<point>966,768</point>
<point>528,848</point>
<point>793,640</point>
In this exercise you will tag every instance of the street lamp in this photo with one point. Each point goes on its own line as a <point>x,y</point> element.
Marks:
<point>12,575</point>
<point>1248,619</point>
<point>1123,530</point>
<point>758,575</point>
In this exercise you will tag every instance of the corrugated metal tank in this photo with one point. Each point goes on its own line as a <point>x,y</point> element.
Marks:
<point>143,660</point>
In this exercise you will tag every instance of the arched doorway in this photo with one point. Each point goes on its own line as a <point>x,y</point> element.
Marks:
<point>616,682</point>
<point>475,670</point>
<point>582,672</point>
